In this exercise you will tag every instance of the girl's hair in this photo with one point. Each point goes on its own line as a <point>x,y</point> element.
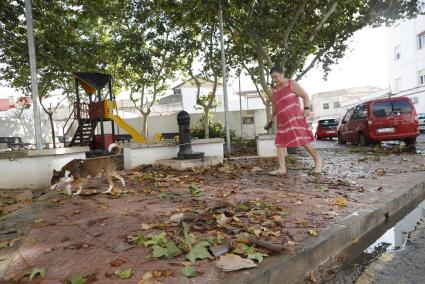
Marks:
<point>277,69</point>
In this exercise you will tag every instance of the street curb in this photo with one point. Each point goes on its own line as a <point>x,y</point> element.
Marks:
<point>288,269</point>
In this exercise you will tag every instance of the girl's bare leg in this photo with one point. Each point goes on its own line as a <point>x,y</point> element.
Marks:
<point>281,154</point>
<point>317,161</point>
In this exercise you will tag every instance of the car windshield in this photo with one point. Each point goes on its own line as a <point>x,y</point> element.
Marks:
<point>328,122</point>
<point>388,108</point>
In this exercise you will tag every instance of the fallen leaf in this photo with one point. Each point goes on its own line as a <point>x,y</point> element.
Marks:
<point>169,251</point>
<point>158,239</point>
<point>4,244</point>
<point>121,247</point>
<point>312,278</point>
<point>298,202</point>
<point>256,170</point>
<point>220,249</point>
<point>258,256</point>
<point>292,243</point>
<point>313,233</point>
<point>118,262</point>
<point>233,262</point>
<point>195,192</point>
<point>147,227</point>
<point>124,274</point>
<point>76,279</point>
<point>199,251</point>
<point>37,271</point>
<point>138,239</point>
<point>341,201</point>
<point>277,218</point>
<point>189,271</point>
<point>222,219</point>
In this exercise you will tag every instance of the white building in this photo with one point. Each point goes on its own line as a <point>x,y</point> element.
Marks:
<point>333,104</point>
<point>406,43</point>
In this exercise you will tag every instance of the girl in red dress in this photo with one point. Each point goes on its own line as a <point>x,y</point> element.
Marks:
<point>292,127</point>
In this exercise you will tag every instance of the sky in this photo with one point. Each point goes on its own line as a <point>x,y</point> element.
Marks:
<point>364,64</point>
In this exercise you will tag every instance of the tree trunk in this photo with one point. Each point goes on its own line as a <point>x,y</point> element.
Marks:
<point>145,124</point>
<point>206,123</point>
<point>53,129</point>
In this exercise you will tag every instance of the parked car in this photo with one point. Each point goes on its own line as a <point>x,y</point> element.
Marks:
<point>421,122</point>
<point>325,128</point>
<point>380,120</point>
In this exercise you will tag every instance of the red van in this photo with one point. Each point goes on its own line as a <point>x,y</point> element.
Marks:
<point>380,120</point>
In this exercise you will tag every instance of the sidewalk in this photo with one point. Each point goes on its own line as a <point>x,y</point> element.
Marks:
<point>91,234</point>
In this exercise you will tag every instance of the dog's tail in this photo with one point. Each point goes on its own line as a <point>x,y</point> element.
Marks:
<point>114,149</point>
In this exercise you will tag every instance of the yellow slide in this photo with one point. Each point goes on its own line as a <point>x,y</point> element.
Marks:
<point>127,127</point>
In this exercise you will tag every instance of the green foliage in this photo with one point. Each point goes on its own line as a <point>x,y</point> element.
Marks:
<point>124,274</point>
<point>216,130</point>
<point>76,279</point>
<point>195,192</point>
<point>189,271</point>
<point>37,271</point>
<point>199,251</point>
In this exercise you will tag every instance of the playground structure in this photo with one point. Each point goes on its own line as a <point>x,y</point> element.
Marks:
<point>92,111</point>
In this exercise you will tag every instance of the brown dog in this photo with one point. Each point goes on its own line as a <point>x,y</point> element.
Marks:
<point>75,172</point>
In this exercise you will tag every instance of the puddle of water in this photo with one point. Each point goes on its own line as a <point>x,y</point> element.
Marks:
<point>396,237</point>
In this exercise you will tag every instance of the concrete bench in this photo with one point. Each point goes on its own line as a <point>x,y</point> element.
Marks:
<point>123,137</point>
<point>170,136</point>
<point>14,143</point>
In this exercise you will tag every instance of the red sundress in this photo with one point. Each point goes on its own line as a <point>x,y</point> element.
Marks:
<point>293,129</point>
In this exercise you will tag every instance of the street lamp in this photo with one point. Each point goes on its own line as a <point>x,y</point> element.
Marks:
<point>223,67</point>
<point>34,85</point>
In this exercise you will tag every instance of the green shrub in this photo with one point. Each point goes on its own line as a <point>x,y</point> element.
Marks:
<point>217,130</point>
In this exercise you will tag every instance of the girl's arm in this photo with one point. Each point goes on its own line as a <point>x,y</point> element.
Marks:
<point>299,91</point>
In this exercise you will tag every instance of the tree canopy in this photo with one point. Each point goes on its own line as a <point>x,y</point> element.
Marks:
<point>142,44</point>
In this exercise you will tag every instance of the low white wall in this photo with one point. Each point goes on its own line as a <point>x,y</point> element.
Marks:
<point>33,169</point>
<point>168,123</point>
<point>147,154</point>
<point>265,145</point>
<point>24,128</point>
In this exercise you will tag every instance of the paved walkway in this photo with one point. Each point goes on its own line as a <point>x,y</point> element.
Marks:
<point>89,234</point>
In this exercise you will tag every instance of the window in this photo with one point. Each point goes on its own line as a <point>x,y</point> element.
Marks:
<point>360,112</point>
<point>397,52</point>
<point>337,105</point>
<point>397,84</point>
<point>326,106</point>
<point>347,116</point>
<point>421,77</point>
<point>248,120</point>
<point>388,108</point>
<point>328,123</point>
<point>421,40</point>
<point>177,91</point>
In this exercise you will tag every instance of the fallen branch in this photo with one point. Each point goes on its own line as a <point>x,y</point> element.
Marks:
<point>250,239</point>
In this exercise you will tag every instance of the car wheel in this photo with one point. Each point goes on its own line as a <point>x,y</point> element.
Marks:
<point>363,141</point>
<point>410,141</point>
<point>317,137</point>
<point>340,140</point>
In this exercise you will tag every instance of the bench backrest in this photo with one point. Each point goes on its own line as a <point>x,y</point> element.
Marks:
<point>170,136</point>
<point>11,140</point>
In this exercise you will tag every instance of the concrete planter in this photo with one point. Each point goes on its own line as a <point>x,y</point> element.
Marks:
<point>266,147</point>
<point>148,154</point>
<point>33,169</point>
